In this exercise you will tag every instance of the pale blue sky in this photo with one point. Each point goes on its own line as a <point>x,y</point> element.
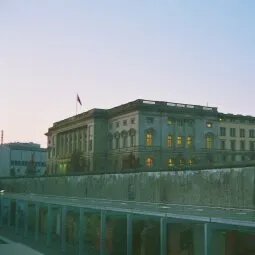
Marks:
<point>112,52</point>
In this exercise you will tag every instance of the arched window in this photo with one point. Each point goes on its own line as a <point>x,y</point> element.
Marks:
<point>149,162</point>
<point>189,141</point>
<point>170,162</point>
<point>209,142</point>
<point>181,162</point>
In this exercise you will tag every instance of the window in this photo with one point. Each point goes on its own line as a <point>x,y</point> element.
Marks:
<point>170,162</point>
<point>209,124</point>
<point>124,122</point>
<point>243,158</point>
<point>251,146</point>
<point>222,131</point>
<point>190,162</point>
<point>233,157</point>
<point>242,145</point>
<point>179,141</point>
<point>133,121</point>
<point>169,121</point>
<point>117,124</point>
<point>149,120</point>
<point>117,143</point>
<point>233,145</point>
<point>149,139</point>
<point>124,141</point>
<point>242,132</point>
<point>251,133</point>
<point>222,145</point>
<point>189,141</point>
<point>182,162</point>
<point>132,140</point>
<point>179,123</point>
<point>190,123</point>
<point>170,141</point>
<point>209,142</point>
<point>149,162</point>
<point>232,132</point>
<point>90,145</point>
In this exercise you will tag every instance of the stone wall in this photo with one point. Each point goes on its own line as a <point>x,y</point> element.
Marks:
<point>225,188</point>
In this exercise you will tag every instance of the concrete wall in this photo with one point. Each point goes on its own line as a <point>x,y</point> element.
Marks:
<point>226,188</point>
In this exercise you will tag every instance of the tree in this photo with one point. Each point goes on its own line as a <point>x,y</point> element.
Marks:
<point>77,163</point>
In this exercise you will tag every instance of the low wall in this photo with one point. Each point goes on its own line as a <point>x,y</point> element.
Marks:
<point>225,188</point>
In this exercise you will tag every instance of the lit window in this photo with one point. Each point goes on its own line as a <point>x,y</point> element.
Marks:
<point>149,139</point>
<point>179,140</point>
<point>190,162</point>
<point>149,162</point>
<point>209,124</point>
<point>170,141</point>
<point>189,141</point>
<point>170,162</point>
<point>209,142</point>
<point>182,162</point>
<point>169,121</point>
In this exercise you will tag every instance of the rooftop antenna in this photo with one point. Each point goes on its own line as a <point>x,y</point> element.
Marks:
<point>2,137</point>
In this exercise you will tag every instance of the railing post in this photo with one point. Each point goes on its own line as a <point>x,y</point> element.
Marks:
<point>129,235</point>
<point>103,233</point>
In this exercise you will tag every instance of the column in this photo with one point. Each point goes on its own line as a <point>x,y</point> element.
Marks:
<point>82,231</point>
<point>25,215</point>
<point>163,236</point>
<point>49,225</point>
<point>37,217</point>
<point>17,217</point>
<point>103,233</point>
<point>129,235</point>
<point>208,239</point>
<point>63,228</point>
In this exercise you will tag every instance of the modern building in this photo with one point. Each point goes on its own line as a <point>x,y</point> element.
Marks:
<point>17,159</point>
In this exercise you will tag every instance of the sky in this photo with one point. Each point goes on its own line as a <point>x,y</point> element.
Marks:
<point>114,51</point>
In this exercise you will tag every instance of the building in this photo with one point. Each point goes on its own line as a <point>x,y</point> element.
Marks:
<point>141,133</point>
<point>149,134</point>
<point>19,159</point>
<point>236,137</point>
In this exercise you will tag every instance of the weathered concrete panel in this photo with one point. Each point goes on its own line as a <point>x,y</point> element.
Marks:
<point>225,188</point>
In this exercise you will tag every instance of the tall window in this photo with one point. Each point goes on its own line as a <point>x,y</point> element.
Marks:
<point>132,140</point>
<point>182,162</point>
<point>170,162</point>
<point>124,141</point>
<point>149,139</point>
<point>179,141</point>
<point>242,145</point>
<point>190,162</point>
<point>222,131</point>
<point>189,141</point>
<point>149,162</point>
<point>232,132</point>
<point>232,145</point>
<point>170,141</point>
<point>117,143</point>
<point>242,132</point>
<point>209,142</point>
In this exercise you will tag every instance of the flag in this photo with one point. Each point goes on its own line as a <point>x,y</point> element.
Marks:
<point>79,100</point>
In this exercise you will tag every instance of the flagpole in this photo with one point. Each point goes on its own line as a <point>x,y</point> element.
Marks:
<point>76,105</point>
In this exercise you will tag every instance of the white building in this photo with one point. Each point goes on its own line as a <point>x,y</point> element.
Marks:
<point>18,159</point>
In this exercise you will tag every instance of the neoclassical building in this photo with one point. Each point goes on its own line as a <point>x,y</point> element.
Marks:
<point>145,134</point>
